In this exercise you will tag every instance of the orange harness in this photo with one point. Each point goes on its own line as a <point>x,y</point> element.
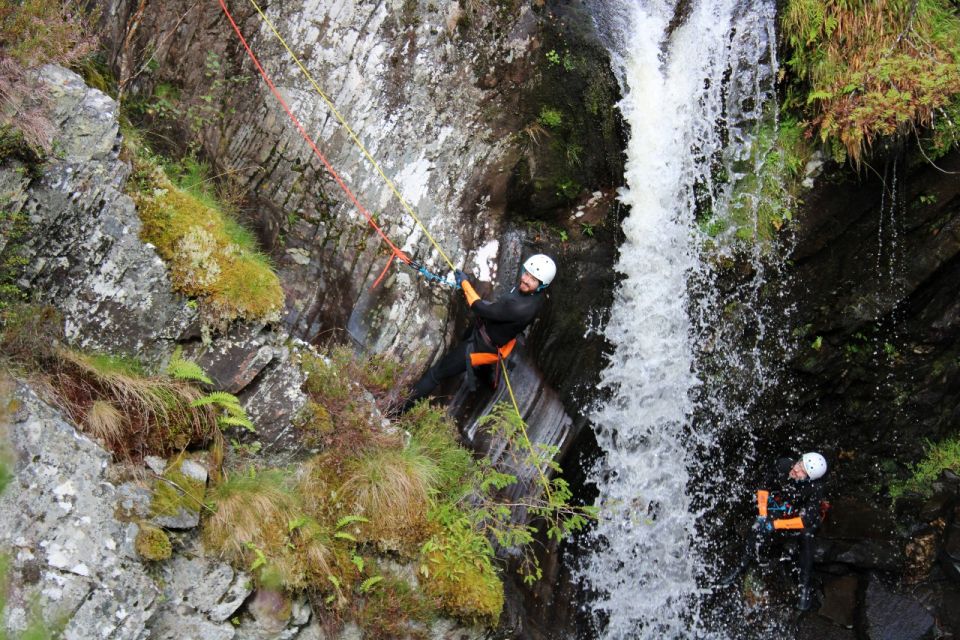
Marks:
<point>479,358</point>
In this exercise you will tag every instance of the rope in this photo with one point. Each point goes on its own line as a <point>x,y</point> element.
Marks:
<point>523,430</point>
<point>353,136</point>
<point>396,253</point>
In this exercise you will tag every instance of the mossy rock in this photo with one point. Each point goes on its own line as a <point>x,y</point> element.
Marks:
<point>178,495</point>
<point>152,543</point>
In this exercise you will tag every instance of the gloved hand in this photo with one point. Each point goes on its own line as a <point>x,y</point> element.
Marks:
<point>460,276</point>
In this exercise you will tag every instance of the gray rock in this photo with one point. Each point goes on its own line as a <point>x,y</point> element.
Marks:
<point>89,262</point>
<point>58,520</point>
<point>891,616</point>
<point>205,585</point>
<point>171,625</point>
<point>275,399</point>
<point>234,360</point>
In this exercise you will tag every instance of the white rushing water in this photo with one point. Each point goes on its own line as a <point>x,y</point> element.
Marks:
<point>676,73</point>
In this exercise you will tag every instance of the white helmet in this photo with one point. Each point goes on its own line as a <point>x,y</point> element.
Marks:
<point>815,465</point>
<point>541,267</point>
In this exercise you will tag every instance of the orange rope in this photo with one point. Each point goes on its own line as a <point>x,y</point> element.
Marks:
<point>396,253</point>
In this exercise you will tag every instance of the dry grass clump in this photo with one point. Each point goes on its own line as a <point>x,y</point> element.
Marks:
<point>391,488</point>
<point>258,524</point>
<point>871,69</point>
<point>211,257</point>
<point>156,416</point>
<point>112,398</point>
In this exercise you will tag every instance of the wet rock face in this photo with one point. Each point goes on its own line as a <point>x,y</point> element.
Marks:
<point>875,279</point>
<point>437,92</point>
<point>891,616</point>
<point>83,252</point>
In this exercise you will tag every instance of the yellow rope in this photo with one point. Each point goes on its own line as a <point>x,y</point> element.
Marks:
<point>350,131</point>
<point>403,202</point>
<point>523,429</point>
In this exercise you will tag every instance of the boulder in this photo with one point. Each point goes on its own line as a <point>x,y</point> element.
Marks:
<point>69,553</point>
<point>891,616</point>
<point>89,262</point>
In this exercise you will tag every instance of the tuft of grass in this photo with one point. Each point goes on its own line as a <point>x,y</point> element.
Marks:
<point>864,70</point>
<point>211,256</point>
<point>258,524</point>
<point>158,415</point>
<point>434,434</point>
<point>104,421</point>
<point>940,456</point>
<point>391,488</point>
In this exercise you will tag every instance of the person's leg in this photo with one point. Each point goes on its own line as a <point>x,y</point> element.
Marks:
<point>454,362</point>
<point>756,538</point>
<point>806,571</point>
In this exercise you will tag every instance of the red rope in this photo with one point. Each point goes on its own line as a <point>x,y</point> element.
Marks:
<point>395,251</point>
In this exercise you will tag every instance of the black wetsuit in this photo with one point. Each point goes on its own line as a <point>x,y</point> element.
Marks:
<point>497,323</point>
<point>795,500</point>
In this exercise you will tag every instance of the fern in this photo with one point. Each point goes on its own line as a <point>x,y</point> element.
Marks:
<point>182,369</point>
<point>369,583</point>
<point>234,421</point>
<point>237,421</point>
<point>221,398</point>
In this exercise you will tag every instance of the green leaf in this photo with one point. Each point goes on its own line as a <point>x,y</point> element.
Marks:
<point>237,421</point>
<point>358,562</point>
<point>369,583</point>
<point>345,520</point>
<point>216,397</point>
<point>186,370</point>
<point>343,535</point>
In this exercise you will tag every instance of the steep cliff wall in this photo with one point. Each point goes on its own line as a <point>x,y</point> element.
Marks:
<point>447,97</point>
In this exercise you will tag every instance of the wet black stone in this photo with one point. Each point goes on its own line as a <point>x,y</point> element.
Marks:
<point>840,600</point>
<point>891,616</point>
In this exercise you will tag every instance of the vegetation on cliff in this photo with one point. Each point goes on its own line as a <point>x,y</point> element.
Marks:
<point>33,33</point>
<point>860,72</point>
<point>212,257</point>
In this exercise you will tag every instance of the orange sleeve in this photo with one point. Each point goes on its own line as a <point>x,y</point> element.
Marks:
<point>788,523</point>
<point>470,293</point>
<point>762,497</point>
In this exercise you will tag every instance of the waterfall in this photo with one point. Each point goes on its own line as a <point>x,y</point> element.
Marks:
<point>694,76</point>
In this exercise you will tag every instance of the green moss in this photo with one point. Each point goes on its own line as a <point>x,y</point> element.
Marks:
<point>457,569</point>
<point>175,491</point>
<point>767,189</point>
<point>211,257</point>
<point>867,70</point>
<point>394,610</point>
<point>152,543</point>
<point>940,457</point>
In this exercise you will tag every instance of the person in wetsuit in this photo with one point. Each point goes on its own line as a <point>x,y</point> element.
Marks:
<point>790,506</point>
<point>493,334</point>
